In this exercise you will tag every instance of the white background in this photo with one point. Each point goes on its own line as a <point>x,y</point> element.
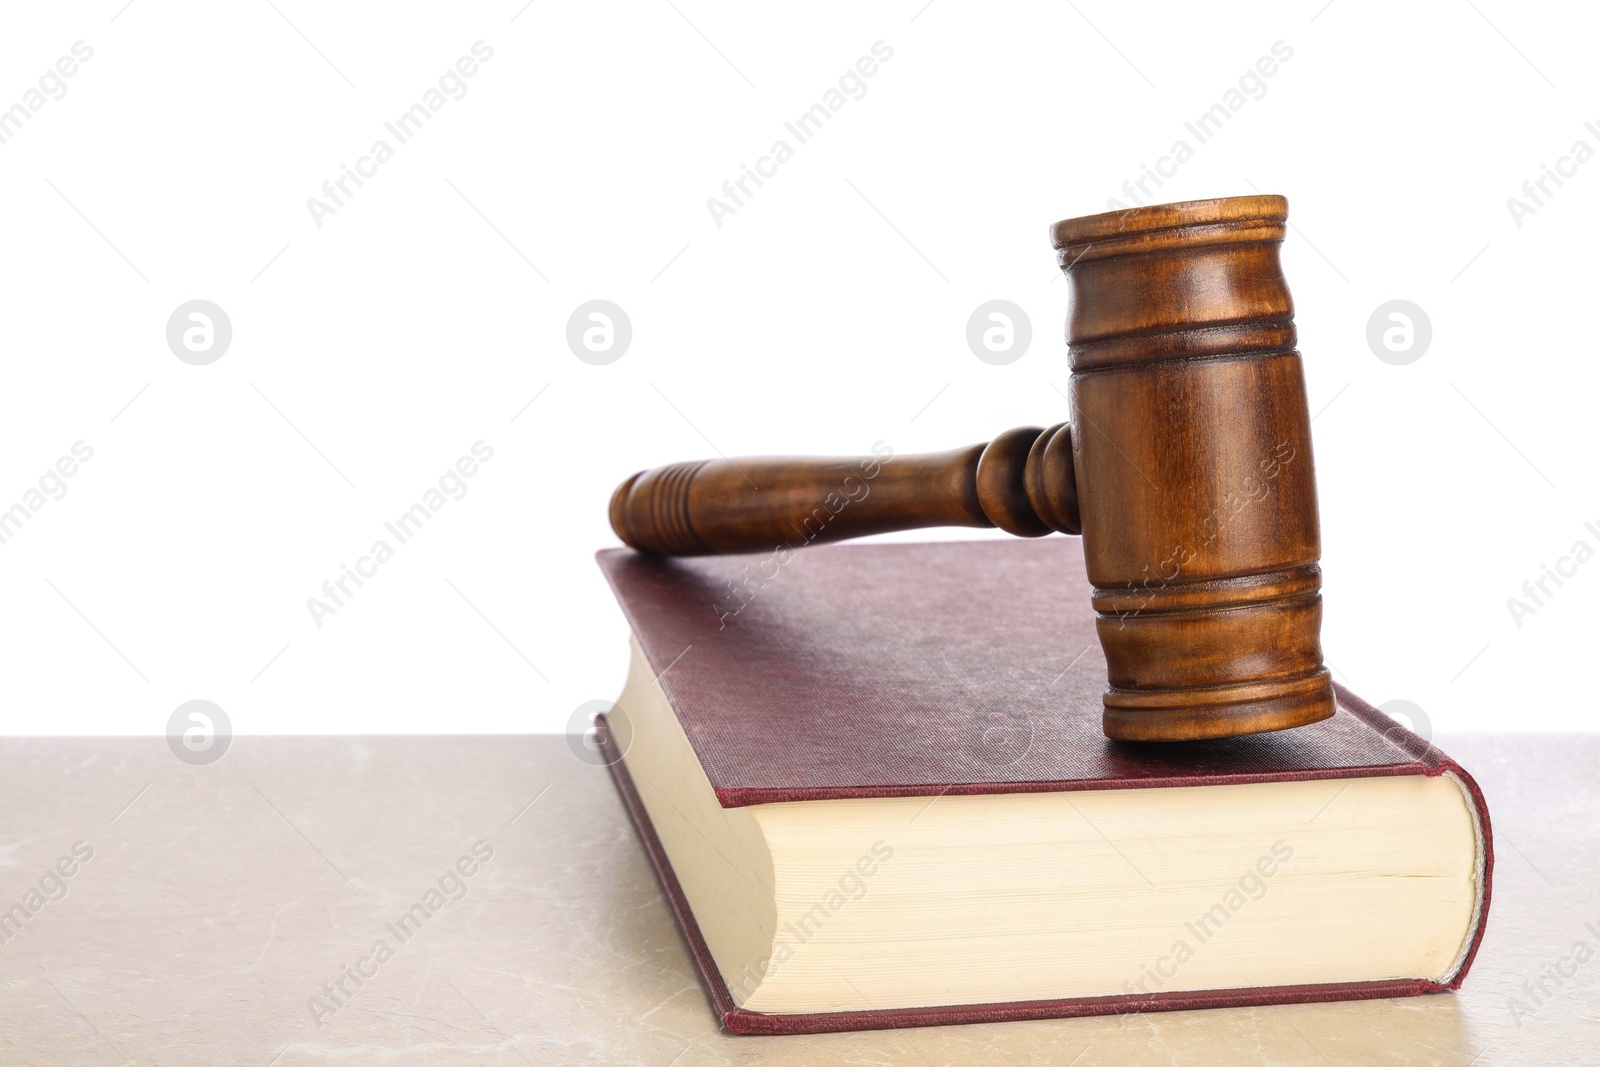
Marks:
<point>828,312</point>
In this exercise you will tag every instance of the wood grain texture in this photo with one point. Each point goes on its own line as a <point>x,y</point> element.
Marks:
<point>1186,465</point>
<point>760,503</point>
<point>1193,462</point>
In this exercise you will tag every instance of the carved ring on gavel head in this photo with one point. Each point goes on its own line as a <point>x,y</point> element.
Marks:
<point>1186,468</point>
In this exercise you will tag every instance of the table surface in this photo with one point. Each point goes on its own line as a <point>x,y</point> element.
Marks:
<point>219,899</point>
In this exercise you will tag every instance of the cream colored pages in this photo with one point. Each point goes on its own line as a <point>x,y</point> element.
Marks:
<point>914,902</point>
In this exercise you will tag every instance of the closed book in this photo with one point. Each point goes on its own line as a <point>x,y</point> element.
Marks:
<point>873,783</point>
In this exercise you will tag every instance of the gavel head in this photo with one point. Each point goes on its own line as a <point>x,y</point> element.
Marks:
<point>1192,453</point>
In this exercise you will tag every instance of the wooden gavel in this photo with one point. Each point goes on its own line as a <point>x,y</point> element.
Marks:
<point>1186,467</point>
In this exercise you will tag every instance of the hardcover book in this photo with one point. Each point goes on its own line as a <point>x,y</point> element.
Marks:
<point>873,783</point>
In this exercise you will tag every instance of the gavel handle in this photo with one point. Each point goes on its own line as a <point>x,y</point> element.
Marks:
<point>1022,482</point>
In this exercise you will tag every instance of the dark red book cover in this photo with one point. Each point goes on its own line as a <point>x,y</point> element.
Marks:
<point>935,669</point>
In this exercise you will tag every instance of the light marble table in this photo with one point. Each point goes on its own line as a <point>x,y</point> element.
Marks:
<point>218,900</point>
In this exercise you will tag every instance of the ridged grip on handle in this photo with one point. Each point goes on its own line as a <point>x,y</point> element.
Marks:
<point>1022,481</point>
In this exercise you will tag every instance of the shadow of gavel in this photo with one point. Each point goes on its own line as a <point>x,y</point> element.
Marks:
<point>1185,465</point>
